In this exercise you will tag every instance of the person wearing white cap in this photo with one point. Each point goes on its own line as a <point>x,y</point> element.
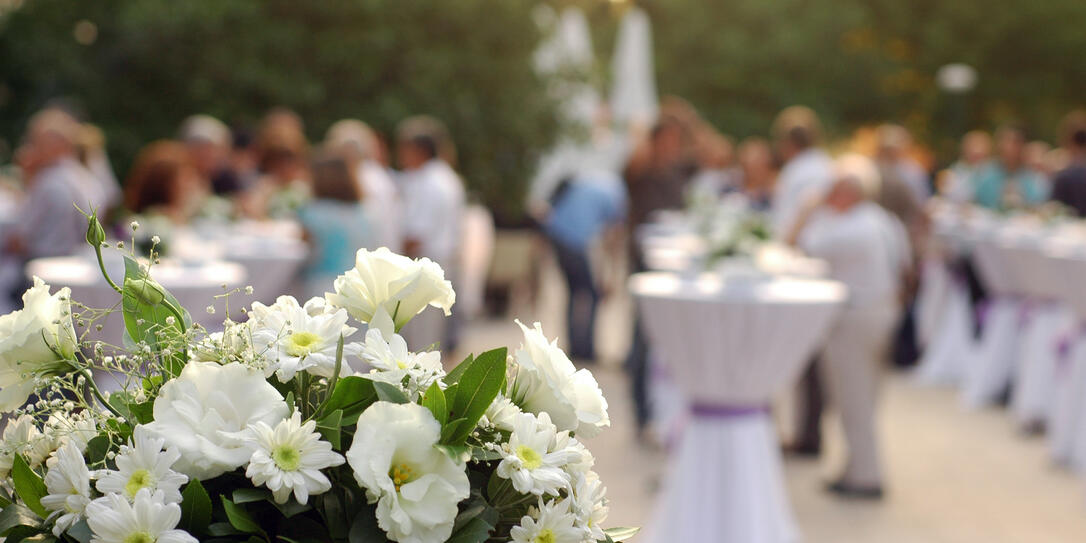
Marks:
<point>356,142</point>
<point>867,250</point>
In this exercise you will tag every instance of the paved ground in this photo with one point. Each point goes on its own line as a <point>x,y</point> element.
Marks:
<point>955,476</point>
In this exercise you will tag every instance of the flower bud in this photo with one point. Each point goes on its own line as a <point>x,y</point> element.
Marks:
<point>95,233</point>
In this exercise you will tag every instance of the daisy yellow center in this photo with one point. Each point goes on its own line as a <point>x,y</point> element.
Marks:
<point>140,478</point>
<point>302,343</point>
<point>545,536</point>
<point>139,537</point>
<point>401,364</point>
<point>529,457</point>
<point>401,474</point>
<point>287,458</point>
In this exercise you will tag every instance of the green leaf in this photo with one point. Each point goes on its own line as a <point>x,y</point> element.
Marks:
<point>352,395</point>
<point>290,402</point>
<point>28,486</point>
<point>478,386</point>
<point>239,518</point>
<point>389,393</point>
<point>142,412</point>
<point>222,529</point>
<point>24,533</point>
<point>15,515</point>
<point>329,427</point>
<point>291,508</point>
<point>479,454</point>
<point>621,534</point>
<point>146,306</point>
<point>97,448</point>
<point>434,400</point>
<point>249,495</point>
<point>195,509</point>
<point>454,375</point>
<point>364,528</point>
<point>475,531</point>
<point>335,519</point>
<point>81,532</point>
<point>452,428</point>
<point>459,453</point>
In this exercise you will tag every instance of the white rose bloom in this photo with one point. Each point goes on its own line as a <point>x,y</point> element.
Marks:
<point>401,286</point>
<point>545,380</point>
<point>589,504</point>
<point>501,414</point>
<point>551,523</point>
<point>292,340</point>
<point>393,363</point>
<point>205,414</point>
<point>148,519</point>
<point>35,340</point>
<point>68,485</point>
<point>416,487</point>
<point>290,457</point>
<point>532,459</point>
<point>144,464</point>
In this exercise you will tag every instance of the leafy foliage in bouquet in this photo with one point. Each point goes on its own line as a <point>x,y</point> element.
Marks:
<point>292,426</point>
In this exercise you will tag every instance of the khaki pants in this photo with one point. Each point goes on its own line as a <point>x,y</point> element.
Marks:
<point>850,368</point>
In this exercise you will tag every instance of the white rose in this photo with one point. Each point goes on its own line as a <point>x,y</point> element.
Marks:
<point>205,414</point>
<point>416,487</point>
<point>401,286</point>
<point>36,340</point>
<point>546,381</point>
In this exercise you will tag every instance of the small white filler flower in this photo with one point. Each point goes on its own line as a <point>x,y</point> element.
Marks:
<point>289,458</point>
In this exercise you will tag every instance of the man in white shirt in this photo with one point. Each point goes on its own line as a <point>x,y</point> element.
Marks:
<point>868,251</point>
<point>48,224</point>
<point>357,143</point>
<point>807,171</point>
<point>433,208</point>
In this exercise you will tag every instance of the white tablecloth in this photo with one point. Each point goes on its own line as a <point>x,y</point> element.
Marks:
<point>731,346</point>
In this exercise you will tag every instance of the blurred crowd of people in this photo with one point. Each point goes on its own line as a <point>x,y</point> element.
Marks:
<point>343,191</point>
<point>862,209</point>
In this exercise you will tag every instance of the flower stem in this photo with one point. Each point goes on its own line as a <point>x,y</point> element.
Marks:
<point>102,266</point>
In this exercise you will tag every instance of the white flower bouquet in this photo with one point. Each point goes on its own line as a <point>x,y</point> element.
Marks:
<point>729,228</point>
<point>292,426</point>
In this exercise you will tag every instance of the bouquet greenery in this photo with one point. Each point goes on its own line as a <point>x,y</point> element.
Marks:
<point>292,426</point>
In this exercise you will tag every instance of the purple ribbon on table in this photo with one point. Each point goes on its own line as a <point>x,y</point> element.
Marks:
<point>1063,348</point>
<point>726,411</point>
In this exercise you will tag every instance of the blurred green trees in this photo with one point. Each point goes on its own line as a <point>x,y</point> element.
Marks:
<point>137,67</point>
<point>146,64</point>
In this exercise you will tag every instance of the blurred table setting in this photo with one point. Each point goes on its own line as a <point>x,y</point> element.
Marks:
<point>732,319</point>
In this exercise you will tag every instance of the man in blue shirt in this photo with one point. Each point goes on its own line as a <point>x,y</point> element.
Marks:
<point>581,209</point>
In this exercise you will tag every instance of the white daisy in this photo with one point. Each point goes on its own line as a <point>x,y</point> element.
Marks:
<point>148,519</point>
<point>20,437</point>
<point>533,459</point>
<point>289,458</point>
<point>549,523</point>
<point>293,340</point>
<point>68,484</point>
<point>144,464</point>
<point>393,363</point>
<point>589,504</point>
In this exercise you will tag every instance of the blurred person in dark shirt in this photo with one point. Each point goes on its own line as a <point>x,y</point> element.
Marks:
<point>1069,185</point>
<point>208,142</point>
<point>165,182</point>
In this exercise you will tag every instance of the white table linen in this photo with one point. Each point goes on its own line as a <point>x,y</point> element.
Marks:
<point>731,346</point>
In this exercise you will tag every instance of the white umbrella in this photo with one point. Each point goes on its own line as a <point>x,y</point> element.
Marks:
<point>633,90</point>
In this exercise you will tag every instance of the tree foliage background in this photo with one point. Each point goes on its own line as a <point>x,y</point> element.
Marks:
<point>154,62</point>
<point>468,62</point>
